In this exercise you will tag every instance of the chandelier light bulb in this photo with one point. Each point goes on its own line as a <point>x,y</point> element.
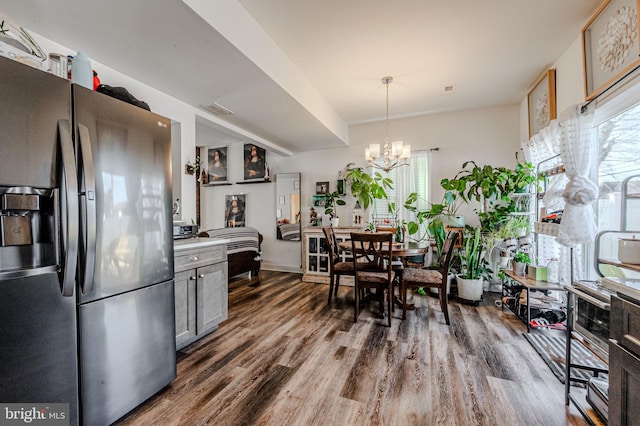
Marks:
<point>406,152</point>
<point>374,150</point>
<point>396,149</point>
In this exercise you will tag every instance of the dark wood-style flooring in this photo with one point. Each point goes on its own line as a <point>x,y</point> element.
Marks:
<point>285,357</point>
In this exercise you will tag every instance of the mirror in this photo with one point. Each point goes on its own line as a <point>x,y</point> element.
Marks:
<point>288,206</point>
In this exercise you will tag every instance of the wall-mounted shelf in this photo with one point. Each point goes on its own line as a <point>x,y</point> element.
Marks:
<point>247,182</point>
<point>217,184</point>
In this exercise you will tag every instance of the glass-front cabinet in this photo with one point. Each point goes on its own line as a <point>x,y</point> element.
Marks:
<point>315,256</point>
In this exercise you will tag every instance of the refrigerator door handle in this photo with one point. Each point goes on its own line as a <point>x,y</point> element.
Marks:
<point>88,199</point>
<point>69,216</point>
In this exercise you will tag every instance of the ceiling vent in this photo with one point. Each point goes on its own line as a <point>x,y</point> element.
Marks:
<point>449,89</point>
<point>217,109</point>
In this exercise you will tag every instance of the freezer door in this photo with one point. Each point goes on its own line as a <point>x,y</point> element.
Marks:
<point>32,103</point>
<point>38,356</point>
<point>125,152</point>
<point>127,351</point>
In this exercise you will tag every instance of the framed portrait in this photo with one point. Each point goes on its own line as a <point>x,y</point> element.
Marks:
<point>610,45</point>
<point>322,187</point>
<point>542,102</point>
<point>217,164</point>
<point>235,207</point>
<point>255,162</point>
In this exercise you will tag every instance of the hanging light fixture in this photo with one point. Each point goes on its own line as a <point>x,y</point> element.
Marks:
<point>394,154</point>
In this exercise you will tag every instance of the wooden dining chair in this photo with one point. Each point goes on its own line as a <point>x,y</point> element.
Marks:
<point>337,267</point>
<point>372,266</point>
<point>431,278</point>
<point>396,263</point>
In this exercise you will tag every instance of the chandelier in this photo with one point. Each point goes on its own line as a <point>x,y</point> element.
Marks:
<point>395,154</point>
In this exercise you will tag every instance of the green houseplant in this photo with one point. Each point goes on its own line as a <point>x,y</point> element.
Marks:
<point>368,188</point>
<point>332,200</point>
<point>442,211</point>
<point>474,267</point>
<point>520,262</point>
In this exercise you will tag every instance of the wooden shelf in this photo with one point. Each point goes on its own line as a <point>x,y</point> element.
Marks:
<point>532,284</point>
<point>619,264</point>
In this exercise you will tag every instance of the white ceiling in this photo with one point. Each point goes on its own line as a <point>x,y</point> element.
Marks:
<point>318,66</point>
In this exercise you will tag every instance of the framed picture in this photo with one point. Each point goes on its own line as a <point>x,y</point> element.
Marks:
<point>542,102</point>
<point>319,200</point>
<point>234,210</point>
<point>217,164</point>
<point>610,45</point>
<point>255,162</point>
<point>341,185</point>
<point>322,187</point>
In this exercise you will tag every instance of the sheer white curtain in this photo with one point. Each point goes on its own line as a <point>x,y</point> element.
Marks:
<point>544,144</point>
<point>571,136</point>
<point>407,179</point>
<point>578,224</point>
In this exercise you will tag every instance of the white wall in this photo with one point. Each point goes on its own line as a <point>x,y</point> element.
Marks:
<point>569,84</point>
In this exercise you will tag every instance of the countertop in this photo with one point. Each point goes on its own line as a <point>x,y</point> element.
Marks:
<point>198,242</point>
<point>627,286</point>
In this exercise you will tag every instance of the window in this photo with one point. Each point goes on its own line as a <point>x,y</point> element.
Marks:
<point>406,180</point>
<point>617,126</point>
<point>618,159</point>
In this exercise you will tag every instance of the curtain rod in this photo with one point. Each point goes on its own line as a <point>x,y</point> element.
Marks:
<point>584,107</point>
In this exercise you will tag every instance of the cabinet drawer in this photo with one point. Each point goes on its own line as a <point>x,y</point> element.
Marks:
<point>624,386</point>
<point>625,324</point>
<point>193,258</point>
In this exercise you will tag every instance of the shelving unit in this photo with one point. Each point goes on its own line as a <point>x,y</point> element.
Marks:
<point>513,285</point>
<point>549,169</point>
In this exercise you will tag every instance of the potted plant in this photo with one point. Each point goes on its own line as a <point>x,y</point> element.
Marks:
<point>520,262</point>
<point>444,211</point>
<point>486,182</point>
<point>368,188</point>
<point>474,266</point>
<point>331,200</point>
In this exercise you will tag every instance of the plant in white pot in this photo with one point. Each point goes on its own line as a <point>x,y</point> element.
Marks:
<point>333,199</point>
<point>520,262</point>
<point>474,266</point>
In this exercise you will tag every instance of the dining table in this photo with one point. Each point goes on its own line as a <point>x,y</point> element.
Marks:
<point>403,250</point>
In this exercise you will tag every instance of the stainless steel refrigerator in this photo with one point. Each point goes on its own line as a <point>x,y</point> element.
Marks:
<point>86,255</point>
